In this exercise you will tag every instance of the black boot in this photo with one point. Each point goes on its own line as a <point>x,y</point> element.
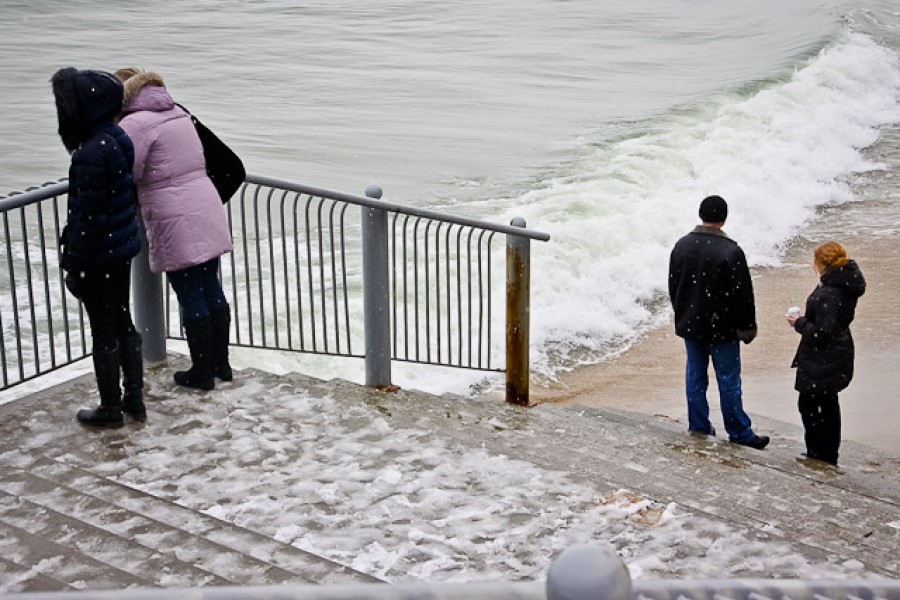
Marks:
<point>130,356</point>
<point>199,338</point>
<point>220,320</point>
<point>109,413</point>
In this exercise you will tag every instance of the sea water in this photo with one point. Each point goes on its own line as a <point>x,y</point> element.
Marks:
<point>603,124</point>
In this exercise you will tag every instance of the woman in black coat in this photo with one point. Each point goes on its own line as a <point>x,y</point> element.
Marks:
<point>101,235</point>
<point>824,359</point>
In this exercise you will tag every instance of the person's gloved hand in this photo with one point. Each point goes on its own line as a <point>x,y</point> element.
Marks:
<point>75,283</point>
<point>746,335</point>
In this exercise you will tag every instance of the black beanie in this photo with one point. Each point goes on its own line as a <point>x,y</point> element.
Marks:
<point>713,209</point>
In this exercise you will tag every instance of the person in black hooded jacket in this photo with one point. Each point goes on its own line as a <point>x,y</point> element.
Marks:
<point>825,355</point>
<point>101,235</point>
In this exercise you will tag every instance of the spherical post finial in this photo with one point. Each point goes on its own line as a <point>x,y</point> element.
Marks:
<point>374,191</point>
<point>589,573</point>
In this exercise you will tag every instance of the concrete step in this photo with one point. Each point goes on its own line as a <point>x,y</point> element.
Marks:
<point>177,546</point>
<point>846,513</point>
<point>61,512</point>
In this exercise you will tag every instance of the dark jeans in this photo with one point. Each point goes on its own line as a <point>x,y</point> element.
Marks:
<point>198,290</point>
<point>726,359</point>
<point>105,294</point>
<point>821,415</point>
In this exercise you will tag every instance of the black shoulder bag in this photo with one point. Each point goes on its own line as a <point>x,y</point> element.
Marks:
<point>224,167</point>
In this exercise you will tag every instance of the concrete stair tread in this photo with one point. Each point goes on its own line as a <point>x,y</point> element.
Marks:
<point>176,546</point>
<point>842,512</point>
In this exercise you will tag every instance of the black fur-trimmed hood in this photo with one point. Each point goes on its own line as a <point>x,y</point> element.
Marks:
<point>84,101</point>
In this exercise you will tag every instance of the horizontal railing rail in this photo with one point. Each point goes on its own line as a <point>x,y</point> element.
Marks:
<point>392,207</point>
<point>579,573</point>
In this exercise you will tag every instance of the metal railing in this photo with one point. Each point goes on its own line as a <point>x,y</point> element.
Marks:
<point>308,274</point>
<point>42,327</point>
<point>579,573</point>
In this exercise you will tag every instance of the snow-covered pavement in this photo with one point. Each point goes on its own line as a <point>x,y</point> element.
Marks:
<point>406,487</point>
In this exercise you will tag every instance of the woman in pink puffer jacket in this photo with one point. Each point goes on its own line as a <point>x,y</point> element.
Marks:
<point>187,228</point>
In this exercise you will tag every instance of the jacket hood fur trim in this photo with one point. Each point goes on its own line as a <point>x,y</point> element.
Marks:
<point>135,84</point>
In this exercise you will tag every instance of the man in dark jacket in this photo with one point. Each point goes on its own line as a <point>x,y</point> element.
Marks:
<point>712,294</point>
<point>101,235</point>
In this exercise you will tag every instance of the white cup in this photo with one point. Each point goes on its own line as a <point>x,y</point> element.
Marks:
<point>793,311</point>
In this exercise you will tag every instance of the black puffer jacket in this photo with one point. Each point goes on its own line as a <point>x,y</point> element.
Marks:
<point>710,288</point>
<point>101,226</point>
<point>824,359</point>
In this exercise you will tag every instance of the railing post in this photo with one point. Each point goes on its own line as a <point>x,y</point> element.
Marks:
<point>376,293</point>
<point>149,312</point>
<point>518,292</point>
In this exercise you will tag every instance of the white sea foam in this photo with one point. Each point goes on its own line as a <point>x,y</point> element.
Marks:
<point>777,154</point>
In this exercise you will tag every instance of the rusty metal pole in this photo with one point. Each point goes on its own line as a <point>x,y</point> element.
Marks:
<point>518,293</point>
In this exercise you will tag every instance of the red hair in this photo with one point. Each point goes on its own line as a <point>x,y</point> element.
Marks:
<point>830,255</point>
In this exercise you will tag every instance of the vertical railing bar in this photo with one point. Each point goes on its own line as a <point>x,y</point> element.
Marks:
<point>416,294</point>
<point>29,284</point>
<point>15,295</point>
<point>309,268</point>
<point>480,298</point>
<point>343,229</point>
<point>406,287</point>
<point>490,303</point>
<point>285,270</point>
<point>9,254</point>
<point>427,294</point>
<point>62,286</point>
<point>322,294</point>
<point>480,245</point>
<point>47,301</point>
<point>392,252</point>
<point>448,292</point>
<point>468,299</point>
<point>272,268</point>
<point>245,260</point>
<point>459,340</point>
<point>232,261</point>
<point>437,291</point>
<point>3,353</point>
<point>260,286</point>
<point>167,303</point>
<point>297,271</point>
<point>334,280</point>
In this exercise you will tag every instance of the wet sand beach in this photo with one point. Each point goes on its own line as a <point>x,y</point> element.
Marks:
<point>649,377</point>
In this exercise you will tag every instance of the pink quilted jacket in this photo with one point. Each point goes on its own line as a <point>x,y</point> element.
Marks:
<point>183,215</point>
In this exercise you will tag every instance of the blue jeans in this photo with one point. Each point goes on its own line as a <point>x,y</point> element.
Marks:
<point>726,359</point>
<point>198,289</point>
